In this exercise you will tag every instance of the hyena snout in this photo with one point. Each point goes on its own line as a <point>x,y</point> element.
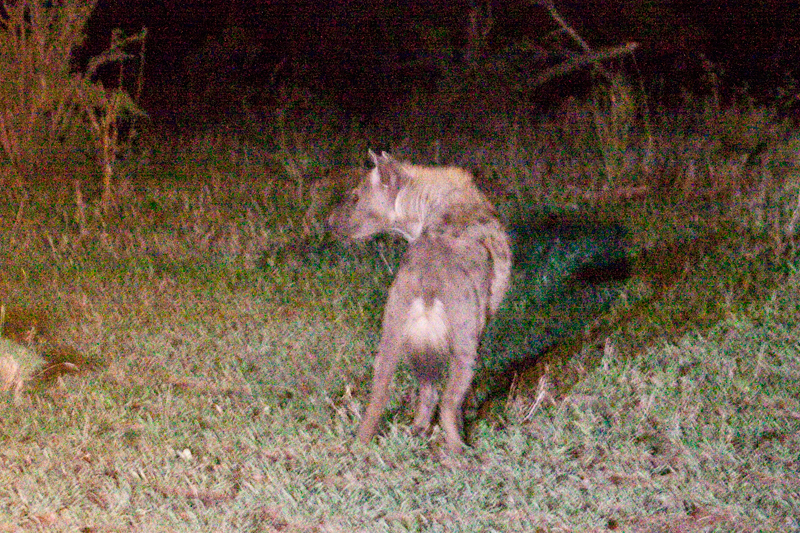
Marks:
<point>355,224</point>
<point>339,223</point>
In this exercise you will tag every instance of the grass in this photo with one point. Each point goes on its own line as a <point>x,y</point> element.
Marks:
<point>218,365</point>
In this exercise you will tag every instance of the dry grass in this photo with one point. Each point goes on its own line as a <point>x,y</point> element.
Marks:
<point>222,363</point>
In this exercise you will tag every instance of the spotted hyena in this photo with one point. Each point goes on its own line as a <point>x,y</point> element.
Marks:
<point>450,282</point>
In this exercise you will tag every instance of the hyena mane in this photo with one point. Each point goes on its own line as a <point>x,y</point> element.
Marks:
<point>451,280</point>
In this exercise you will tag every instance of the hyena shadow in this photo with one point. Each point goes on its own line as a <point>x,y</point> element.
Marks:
<point>567,272</point>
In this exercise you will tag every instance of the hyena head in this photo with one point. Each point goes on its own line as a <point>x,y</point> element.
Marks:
<point>372,206</point>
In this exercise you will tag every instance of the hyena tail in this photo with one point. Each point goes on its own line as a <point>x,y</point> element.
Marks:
<point>427,338</point>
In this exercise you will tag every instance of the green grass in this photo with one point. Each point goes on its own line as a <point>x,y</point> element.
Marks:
<point>219,367</point>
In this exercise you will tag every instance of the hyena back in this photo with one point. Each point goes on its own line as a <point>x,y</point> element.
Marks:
<point>450,282</point>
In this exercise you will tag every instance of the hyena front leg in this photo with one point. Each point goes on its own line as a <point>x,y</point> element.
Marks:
<point>458,384</point>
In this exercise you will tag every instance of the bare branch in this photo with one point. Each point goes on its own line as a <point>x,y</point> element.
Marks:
<point>589,56</point>
<point>577,62</point>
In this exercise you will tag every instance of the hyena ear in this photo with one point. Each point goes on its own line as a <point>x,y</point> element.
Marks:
<point>388,173</point>
<point>391,175</point>
<point>373,157</point>
<point>378,159</point>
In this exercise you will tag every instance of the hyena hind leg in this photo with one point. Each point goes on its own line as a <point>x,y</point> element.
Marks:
<point>385,366</point>
<point>450,416</point>
<point>425,407</point>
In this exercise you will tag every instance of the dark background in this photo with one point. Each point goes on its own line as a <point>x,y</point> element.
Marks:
<point>212,58</point>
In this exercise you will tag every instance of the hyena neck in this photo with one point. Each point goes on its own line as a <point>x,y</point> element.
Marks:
<point>463,219</point>
<point>426,198</point>
<point>449,211</point>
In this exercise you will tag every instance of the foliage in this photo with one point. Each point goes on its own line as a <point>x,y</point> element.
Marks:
<point>38,102</point>
<point>48,111</point>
